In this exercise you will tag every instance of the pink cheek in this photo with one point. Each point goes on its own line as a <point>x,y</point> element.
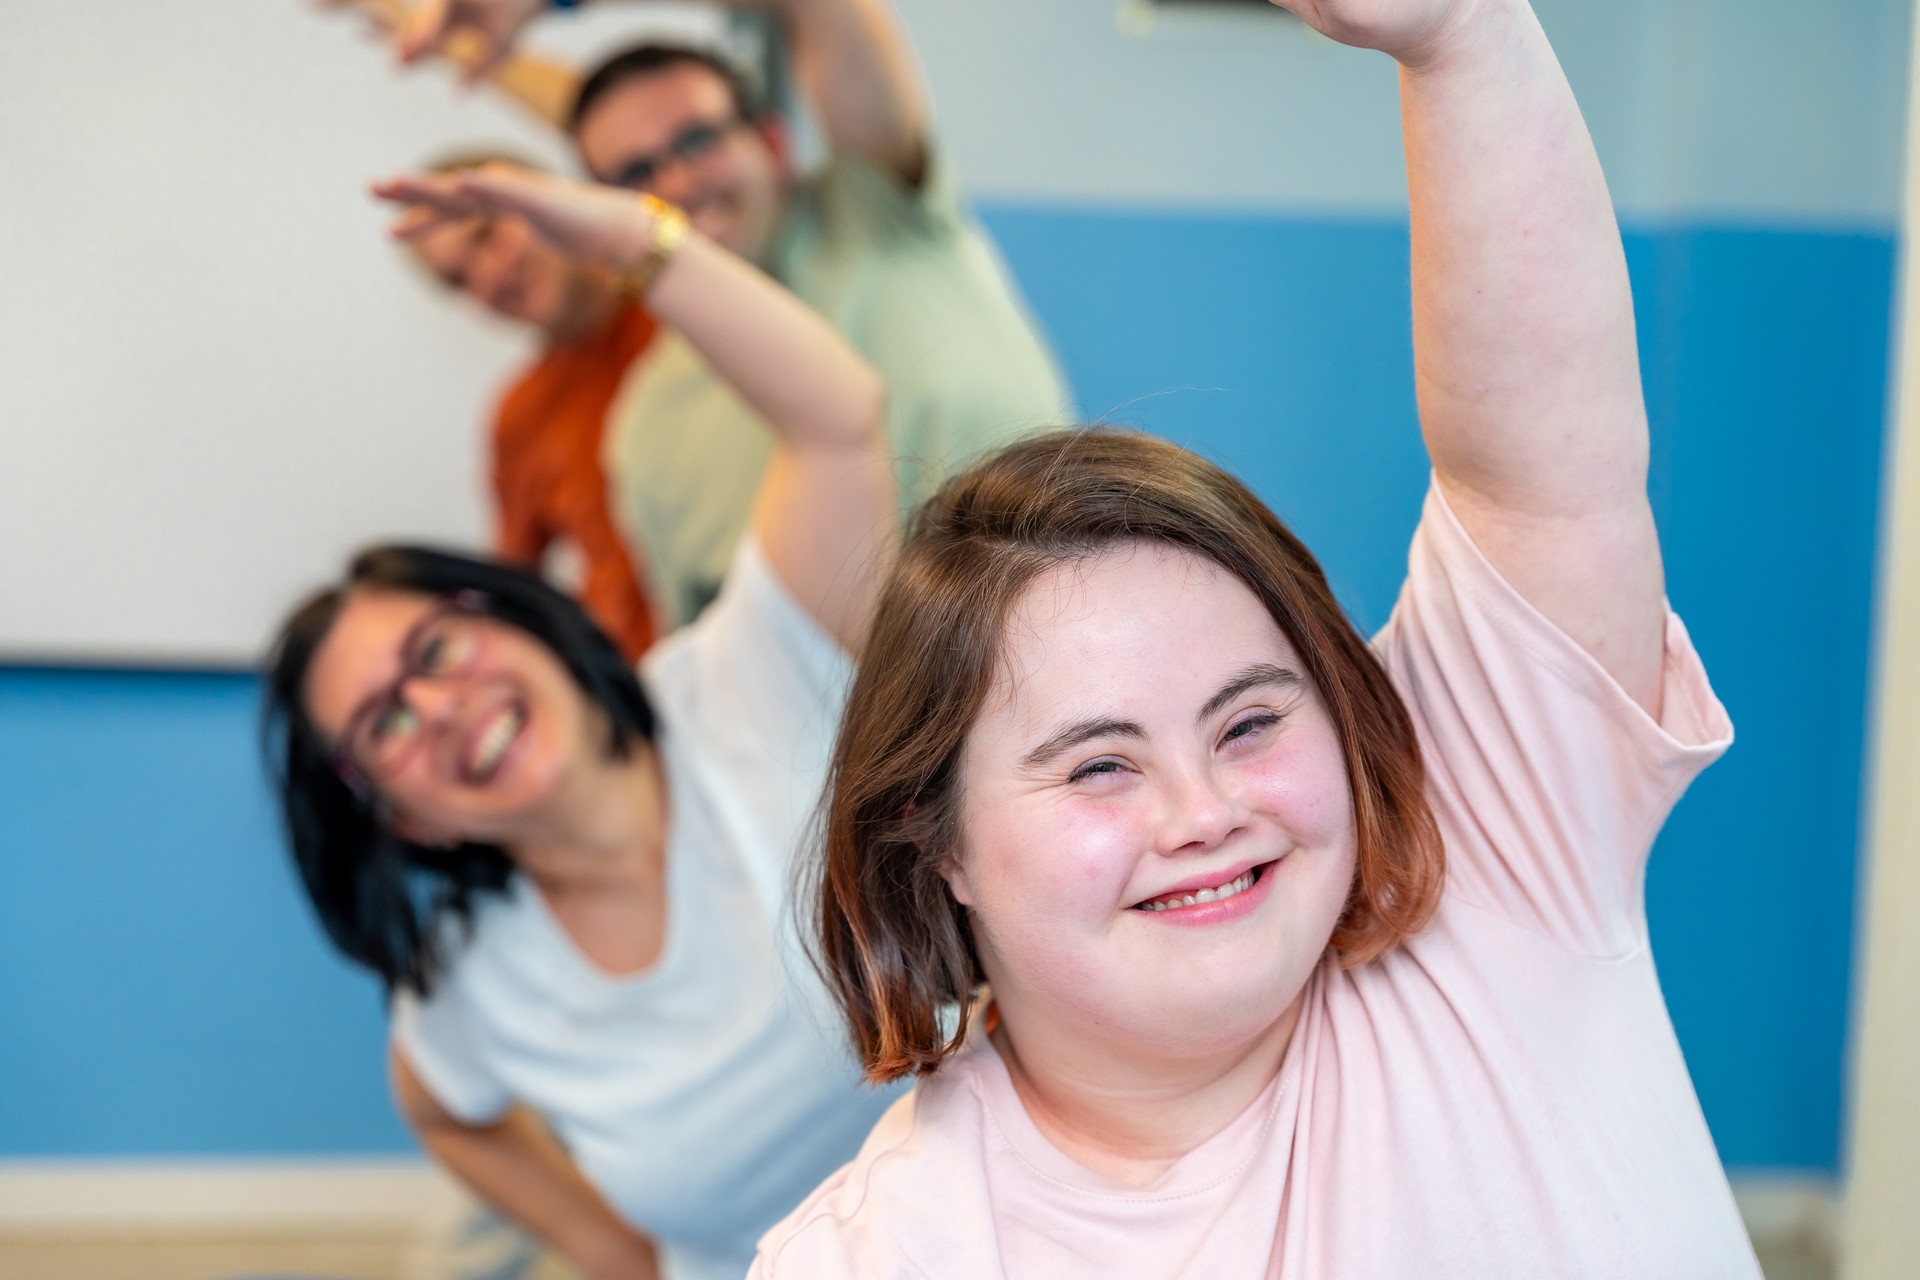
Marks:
<point>1305,788</point>
<point>1093,851</point>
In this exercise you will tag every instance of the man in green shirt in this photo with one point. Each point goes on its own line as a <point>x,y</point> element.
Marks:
<point>876,238</point>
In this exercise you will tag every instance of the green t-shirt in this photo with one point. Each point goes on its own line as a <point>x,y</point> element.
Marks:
<point>911,280</point>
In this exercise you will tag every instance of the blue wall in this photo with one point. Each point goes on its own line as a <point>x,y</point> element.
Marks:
<point>164,991</point>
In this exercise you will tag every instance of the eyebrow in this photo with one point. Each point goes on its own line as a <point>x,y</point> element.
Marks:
<point>1258,675</point>
<point>1075,734</point>
<point>1254,677</point>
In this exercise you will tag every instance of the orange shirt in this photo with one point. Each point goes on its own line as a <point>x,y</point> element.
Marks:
<point>547,480</point>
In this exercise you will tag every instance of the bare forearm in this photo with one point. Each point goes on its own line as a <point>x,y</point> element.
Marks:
<point>516,1166</point>
<point>825,511</point>
<point>859,72</point>
<point>544,87</point>
<point>776,353</point>
<point>1523,323</point>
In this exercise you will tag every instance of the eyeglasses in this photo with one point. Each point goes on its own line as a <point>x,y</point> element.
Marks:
<point>385,732</point>
<point>691,145</point>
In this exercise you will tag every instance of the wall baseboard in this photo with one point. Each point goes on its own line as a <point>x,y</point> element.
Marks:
<point>400,1195</point>
<point>1793,1219</point>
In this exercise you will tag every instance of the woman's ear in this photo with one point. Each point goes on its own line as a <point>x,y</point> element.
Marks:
<point>949,865</point>
<point>956,877</point>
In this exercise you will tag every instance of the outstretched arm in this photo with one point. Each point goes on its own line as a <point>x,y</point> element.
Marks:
<point>852,57</point>
<point>825,512</point>
<point>859,73</point>
<point>516,1166</point>
<point>543,86</point>
<point>1524,355</point>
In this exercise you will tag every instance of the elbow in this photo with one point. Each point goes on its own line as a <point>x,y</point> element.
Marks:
<point>421,1111</point>
<point>868,402</point>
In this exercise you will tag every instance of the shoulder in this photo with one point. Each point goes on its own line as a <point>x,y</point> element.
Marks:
<point>1548,779</point>
<point>754,640</point>
<point>1462,635</point>
<point>849,196</point>
<point>914,1193</point>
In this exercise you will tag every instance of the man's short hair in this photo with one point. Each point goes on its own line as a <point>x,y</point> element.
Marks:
<point>651,59</point>
<point>478,157</point>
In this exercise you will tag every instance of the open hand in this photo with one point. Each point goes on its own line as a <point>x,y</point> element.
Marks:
<point>1411,31</point>
<point>601,225</point>
<point>383,17</point>
<point>490,26</point>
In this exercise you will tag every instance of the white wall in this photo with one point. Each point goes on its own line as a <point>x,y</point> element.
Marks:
<point>216,379</point>
<point>1731,109</point>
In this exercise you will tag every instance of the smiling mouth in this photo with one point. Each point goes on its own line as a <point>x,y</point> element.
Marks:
<point>491,747</point>
<point>1217,893</point>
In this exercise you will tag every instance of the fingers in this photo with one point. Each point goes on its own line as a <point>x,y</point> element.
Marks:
<point>432,198</point>
<point>504,182</point>
<point>418,221</point>
<point>489,54</point>
<point>423,30</point>
<point>436,198</point>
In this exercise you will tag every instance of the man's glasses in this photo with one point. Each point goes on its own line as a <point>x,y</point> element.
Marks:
<point>691,145</point>
<point>385,732</point>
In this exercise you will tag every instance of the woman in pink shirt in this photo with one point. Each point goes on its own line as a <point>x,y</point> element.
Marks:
<point>1280,953</point>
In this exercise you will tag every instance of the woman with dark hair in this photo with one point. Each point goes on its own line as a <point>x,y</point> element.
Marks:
<point>1279,953</point>
<point>574,881</point>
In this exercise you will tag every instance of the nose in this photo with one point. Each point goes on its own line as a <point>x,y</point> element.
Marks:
<point>674,181</point>
<point>434,700</point>
<point>493,263</point>
<point>1198,812</point>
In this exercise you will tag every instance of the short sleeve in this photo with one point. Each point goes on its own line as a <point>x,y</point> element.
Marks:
<point>750,696</point>
<point>864,206</point>
<point>757,652</point>
<point>437,1040</point>
<point>1549,781</point>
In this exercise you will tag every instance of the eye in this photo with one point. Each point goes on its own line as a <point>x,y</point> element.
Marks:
<point>445,648</point>
<point>391,723</point>
<point>696,141</point>
<point>1250,726</point>
<point>637,176</point>
<point>1104,768</point>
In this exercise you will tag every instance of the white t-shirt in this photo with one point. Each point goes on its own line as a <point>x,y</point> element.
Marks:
<point>705,1096</point>
<point>1500,1096</point>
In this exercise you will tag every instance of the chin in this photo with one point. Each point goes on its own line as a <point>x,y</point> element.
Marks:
<point>1171,1023</point>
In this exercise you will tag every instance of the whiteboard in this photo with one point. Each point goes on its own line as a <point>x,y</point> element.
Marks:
<point>217,376</point>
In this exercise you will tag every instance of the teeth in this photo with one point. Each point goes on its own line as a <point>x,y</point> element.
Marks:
<point>494,744</point>
<point>1239,884</point>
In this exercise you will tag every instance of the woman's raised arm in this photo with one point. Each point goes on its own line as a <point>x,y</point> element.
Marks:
<point>825,514</point>
<point>1524,355</point>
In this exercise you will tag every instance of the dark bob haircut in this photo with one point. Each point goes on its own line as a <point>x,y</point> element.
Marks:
<point>895,948</point>
<point>651,59</point>
<point>382,898</point>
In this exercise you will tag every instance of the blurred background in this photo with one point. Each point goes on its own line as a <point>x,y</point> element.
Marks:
<point>218,378</point>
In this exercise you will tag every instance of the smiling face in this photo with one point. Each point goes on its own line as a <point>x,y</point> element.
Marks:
<point>482,748</point>
<point>732,190</point>
<point>505,266</point>
<point>1152,738</point>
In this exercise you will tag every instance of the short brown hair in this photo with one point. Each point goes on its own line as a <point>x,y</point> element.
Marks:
<point>891,941</point>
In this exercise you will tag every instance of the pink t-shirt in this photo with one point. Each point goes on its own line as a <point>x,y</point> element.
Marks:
<point>1501,1096</point>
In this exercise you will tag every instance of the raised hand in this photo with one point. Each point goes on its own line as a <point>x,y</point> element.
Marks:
<point>1411,31</point>
<point>595,224</point>
<point>491,27</point>
<point>383,17</point>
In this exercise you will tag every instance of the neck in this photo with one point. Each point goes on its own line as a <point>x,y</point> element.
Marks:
<point>588,311</point>
<point>609,829</point>
<point>1129,1115</point>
